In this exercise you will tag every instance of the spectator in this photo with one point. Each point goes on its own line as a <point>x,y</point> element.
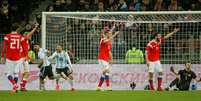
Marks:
<point>198,5</point>
<point>32,56</point>
<point>173,6</point>
<point>122,6</point>
<point>50,8</point>
<point>160,5</point>
<point>147,5</point>
<point>69,5</point>
<point>100,7</point>
<point>137,5</point>
<point>58,6</point>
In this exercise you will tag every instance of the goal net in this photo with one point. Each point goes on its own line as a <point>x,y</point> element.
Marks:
<point>80,32</point>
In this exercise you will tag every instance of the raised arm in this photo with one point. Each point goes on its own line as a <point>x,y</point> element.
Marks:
<point>173,71</point>
<point>109,39</point>
<point>171,33</point>
<point>3,51</point>
<point>28,36</point>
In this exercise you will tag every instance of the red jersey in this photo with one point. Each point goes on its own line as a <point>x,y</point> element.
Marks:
<point>25,49</point>
<point>12,44</point>
<point>104,51</point>
<point>153,50</point>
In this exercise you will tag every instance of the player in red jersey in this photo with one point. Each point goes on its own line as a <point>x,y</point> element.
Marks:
<point>12,43</point>
<point>25,64</point>
<point>153,58</point>
<point>105,56</point>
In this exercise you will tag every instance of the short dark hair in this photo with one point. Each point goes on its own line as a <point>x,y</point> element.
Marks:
<point>153,35</point>
<point>59,45</point>
<point>36,44</point>
<point>15,26</point>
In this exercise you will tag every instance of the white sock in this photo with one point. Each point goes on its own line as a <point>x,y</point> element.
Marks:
<point>57,76</point>
<point>42,86</point>
<point>71,83</point>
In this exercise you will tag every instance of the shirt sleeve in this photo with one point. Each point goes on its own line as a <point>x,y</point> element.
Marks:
<point>68,59</point>
<point>41,54</point>
<point>52,56</point>
<point>24,47</point>
<point>4,46</point>
<point>148,48</point>
<point>180,72</point>
<point>193,75</point>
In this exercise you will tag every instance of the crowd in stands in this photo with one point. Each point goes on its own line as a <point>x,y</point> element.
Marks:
<point>124,5</point>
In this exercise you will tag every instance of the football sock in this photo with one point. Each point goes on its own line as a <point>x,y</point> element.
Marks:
<point>107,79</point>
<point>71,83</point>
<point>101,81</point>
<point>159,81</point>
<point>151,84</point>
<point>10,78</point>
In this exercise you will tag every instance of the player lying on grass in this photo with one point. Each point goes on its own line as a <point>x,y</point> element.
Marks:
<point>183,78</point>
<point>153,58</point>
<point>44,65</point>
<point>63,66</point>
<point>105,56</point>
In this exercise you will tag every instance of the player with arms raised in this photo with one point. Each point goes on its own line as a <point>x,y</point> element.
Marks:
<point>63,66</point>
<point>25,64</point>
<point>11,49</point>
<point>153,58</point>
<point>105,56</point>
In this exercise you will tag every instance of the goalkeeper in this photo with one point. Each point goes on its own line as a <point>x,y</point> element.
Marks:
<point>183,78</point>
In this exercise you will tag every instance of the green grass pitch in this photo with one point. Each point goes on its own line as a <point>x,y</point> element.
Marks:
<point>100,96</point>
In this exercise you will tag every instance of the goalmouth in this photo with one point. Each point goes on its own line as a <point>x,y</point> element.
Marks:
<point>81,32</point>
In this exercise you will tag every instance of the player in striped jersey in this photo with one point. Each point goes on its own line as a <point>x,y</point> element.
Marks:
<point>44,65</point>
<point>63,66</point>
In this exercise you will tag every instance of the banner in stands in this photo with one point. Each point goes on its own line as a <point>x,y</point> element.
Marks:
<point>87,76</point>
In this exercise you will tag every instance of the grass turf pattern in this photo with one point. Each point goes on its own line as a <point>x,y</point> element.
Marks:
<point>100,96</point>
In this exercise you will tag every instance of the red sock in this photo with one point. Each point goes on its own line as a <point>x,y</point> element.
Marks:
<point>107,83</point>
<point>12,81</point>
<point>107,80</point>
<point>159,82</point>
<point>151,84</point>
<point>101,81</point>
<point>24,82</point>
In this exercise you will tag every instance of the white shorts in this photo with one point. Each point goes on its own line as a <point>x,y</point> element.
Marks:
<point>155,67</point>
<point>104,64</point>
<point>12,67</point>
<point>24,66</point>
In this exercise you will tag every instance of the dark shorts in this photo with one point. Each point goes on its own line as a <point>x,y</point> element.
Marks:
<point>65,70</point>
<point>183,86</point>
<point>46,71</point>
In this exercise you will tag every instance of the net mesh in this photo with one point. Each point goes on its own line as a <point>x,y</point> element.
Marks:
<point>80,35</point>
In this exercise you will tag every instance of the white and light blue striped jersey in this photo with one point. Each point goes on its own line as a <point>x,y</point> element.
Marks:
<point>62,59</point>
<point>42,54</point>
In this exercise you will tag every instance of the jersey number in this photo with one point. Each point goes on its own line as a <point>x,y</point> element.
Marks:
<point>15,44</point>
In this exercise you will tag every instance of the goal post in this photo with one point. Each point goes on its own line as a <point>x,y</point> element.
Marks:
<point>80,32</point>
